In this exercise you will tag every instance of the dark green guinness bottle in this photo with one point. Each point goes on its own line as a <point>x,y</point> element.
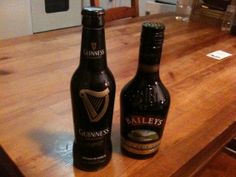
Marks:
<point>145,101</point>
<point>92,94</point>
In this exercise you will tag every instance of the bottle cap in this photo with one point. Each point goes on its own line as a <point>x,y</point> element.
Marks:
<point>93,17</point>
<point>153,26</point>
<point>152,33</point>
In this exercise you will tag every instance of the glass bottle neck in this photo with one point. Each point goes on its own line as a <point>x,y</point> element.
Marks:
<point>93,49</point>
<point>149,61</point>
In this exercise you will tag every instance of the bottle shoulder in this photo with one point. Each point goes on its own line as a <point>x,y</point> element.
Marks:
<point>136,85</point>
<point>141,96</point>
<point>90,79</point>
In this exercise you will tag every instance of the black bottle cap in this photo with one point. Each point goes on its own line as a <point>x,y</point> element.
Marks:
<point>151,43</point>
<point>153,34</point>
<point>93,17</point>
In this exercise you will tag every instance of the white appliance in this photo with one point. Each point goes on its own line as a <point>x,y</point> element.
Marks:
<point>15,18</point>
<point>160,6</point>
<point>55,14</point>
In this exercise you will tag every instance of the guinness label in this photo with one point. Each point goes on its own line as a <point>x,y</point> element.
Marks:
<point>93,53</point>
<point>94,134</point>
<point>95,103</point>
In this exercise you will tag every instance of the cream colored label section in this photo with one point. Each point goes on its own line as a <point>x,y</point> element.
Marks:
<point>140,148</point>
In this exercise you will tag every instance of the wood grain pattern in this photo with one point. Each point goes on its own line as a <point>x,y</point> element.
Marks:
<point>222,165</point>
<point>35,110</point>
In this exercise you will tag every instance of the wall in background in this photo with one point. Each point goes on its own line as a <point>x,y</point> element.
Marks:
<point>116,3</point>
<point>15,18</point>
<point>55,14</point>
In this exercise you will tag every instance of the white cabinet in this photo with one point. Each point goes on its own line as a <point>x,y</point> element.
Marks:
<point>23,17</point>
<point>15,18</point>
<point>51,14</point>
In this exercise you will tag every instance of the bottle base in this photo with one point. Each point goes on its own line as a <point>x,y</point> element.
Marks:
<point>90,164</point>
<point>90,168</point>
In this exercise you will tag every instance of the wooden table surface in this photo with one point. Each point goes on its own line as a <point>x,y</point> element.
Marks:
<point>36,126</point>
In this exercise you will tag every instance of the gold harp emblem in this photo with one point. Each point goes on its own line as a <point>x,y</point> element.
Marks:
<point>95,103</point>
<point>93,45</point>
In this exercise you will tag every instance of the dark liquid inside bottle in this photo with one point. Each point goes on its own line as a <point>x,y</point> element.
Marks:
<point>233,27</point>
<point>92,93</point>
<point>145,100</point>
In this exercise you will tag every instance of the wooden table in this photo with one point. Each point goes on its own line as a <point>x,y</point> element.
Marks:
<point>36,126</point>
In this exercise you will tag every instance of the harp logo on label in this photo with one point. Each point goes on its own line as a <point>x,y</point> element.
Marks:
<point>95,103</point>
<point>93,45</point>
